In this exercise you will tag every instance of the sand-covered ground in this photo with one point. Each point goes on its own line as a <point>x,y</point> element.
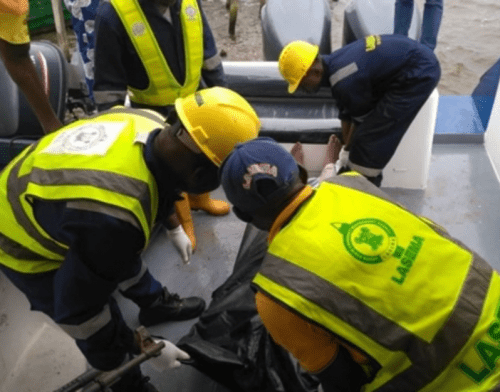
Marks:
<point>468,41</point>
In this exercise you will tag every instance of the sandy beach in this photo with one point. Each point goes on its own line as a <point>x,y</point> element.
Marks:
<point>468,41</point>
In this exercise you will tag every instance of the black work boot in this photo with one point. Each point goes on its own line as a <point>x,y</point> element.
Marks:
<point>171,308</point>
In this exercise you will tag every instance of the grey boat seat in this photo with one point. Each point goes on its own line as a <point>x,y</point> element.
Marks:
<point>9,104</point>
<point>18,124</point>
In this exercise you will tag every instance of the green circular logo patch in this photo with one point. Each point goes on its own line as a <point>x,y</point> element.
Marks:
<point>369,240</point>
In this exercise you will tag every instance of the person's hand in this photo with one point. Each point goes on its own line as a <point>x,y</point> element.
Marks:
<point>169,357</point>
<point>343,159</point>
<point>181,242</point>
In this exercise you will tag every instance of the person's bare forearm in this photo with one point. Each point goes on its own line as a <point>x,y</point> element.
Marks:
<point>23,72</point>
<point>30,84</point>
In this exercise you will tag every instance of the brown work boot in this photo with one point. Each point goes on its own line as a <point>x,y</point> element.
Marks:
<point>183,212</point>
<point>210,206</point>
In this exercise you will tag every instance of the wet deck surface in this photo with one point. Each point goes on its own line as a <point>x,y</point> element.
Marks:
<point>218,243</point>
<point>463,195</point>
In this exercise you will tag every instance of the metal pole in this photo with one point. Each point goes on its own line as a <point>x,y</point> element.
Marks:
<point>62,38</point>
<point>100,381</point>
<point>111,377</point>
<point>80,381</point>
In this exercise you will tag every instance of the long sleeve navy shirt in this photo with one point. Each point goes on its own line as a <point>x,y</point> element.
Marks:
<point>103,251</point>
<point>364,74</point>
<point>117,64</point>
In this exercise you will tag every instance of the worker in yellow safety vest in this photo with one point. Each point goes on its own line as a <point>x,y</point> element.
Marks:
<point>155,51</point>
<point>364,293</point>
<point>79,205</point>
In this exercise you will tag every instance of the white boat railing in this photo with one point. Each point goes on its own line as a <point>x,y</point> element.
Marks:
<point>492,135</point>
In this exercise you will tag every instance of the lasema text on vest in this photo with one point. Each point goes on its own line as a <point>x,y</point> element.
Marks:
<point>407,259</point>
<point>488,353</point>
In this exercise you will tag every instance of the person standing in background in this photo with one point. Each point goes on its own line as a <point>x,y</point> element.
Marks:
<point>433,11</point>
<point>83,13</point>
<point>155,51</point>
<point>14,51</point>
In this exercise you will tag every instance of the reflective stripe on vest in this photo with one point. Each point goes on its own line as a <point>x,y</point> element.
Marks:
<point>359,266</point>
<point>97,160</point>
<point>163,87</point>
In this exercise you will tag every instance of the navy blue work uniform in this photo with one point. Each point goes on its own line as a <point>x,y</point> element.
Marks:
<point>380,83</point>
<point>117,64</point>
<point>103,255</point>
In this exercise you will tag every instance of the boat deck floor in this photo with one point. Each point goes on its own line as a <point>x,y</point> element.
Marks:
<point>463,195</point>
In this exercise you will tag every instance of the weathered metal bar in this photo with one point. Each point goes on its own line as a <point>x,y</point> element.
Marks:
<point>62,37</point>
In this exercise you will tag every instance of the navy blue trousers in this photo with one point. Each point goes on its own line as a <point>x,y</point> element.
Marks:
<point>376,139</point>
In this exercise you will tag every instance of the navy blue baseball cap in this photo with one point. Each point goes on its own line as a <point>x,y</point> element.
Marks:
<point>257,172</point>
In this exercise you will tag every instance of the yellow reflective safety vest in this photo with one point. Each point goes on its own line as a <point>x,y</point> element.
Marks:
<point>163,87</point>
<point>391,283</point>
<point>97,160</point>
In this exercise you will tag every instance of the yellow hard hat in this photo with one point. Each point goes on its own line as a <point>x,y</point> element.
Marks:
<point>217,119</point>
<point>295,60</point>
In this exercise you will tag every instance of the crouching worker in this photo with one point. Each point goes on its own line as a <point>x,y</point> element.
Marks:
<point>379,82</point>
<point>365,294</point>
<point>79,205</point>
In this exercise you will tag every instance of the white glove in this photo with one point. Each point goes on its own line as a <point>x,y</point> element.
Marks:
<point>343,159</point>
<point>168,359</point>
<point>181,242</point>
<point>328,171</point>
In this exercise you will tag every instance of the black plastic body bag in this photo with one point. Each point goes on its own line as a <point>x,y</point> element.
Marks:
<point>230,344</point>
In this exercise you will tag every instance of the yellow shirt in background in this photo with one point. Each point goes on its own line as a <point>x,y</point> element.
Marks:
<point>14,29</point>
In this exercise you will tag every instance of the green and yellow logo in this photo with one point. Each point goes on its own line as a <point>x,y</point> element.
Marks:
<point>368,240</point>
<point>373,241</point>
